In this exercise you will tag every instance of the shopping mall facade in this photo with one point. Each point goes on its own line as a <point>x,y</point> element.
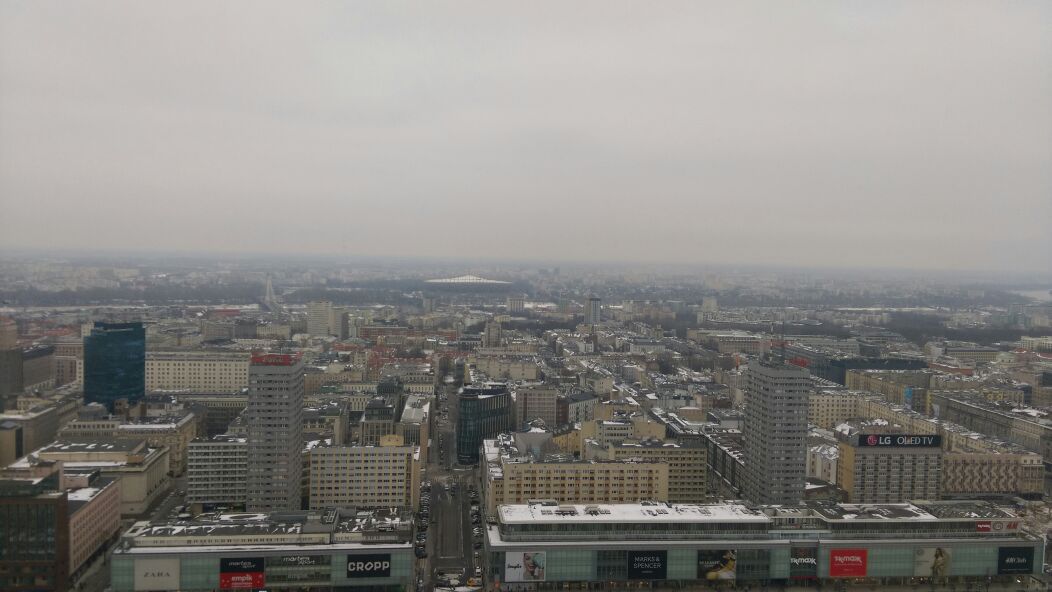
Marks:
<point>322,551</point>
<point>544,545</point>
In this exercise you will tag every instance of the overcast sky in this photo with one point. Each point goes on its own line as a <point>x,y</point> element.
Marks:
<point>895,134</point>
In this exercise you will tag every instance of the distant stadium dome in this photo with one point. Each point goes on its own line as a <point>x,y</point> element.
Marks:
<point>466,279</point>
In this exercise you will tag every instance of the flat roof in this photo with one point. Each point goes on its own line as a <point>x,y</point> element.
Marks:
<point>317,548</point>
<point>100,445</point>
<point>881,512</point>
<point>629,513</point>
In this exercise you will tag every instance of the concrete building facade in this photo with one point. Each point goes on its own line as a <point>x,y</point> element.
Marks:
<point>386,476</point>
<point>216,472</point>
<point>274,420</point>
<point>201,371</point>
<point>775,430</point>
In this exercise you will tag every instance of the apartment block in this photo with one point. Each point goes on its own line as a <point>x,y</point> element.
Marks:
<point>201,371</point>
<point>883,466</point>
<point>828,409</point>
<point>537,402</point>
<point>520,471</point>
<point>385,476</point>
<point>216,472</point>
<point>506,368</point>
<point>687,466</point>
<point>94,517</point>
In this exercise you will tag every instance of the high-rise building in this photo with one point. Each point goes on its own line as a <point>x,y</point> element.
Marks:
<point>34,540</point>
<point>594,313</point>
<point>484,411</point>
<point>493,334</point>
<point>69,362</point>
<point>427,303</point>
<point>516,304</point>
<point>10,364</point>
<point>8,334</point>
<point>775,432</point>
<point>115,363</point>
<point>274,420</point>
<point>319,316</point>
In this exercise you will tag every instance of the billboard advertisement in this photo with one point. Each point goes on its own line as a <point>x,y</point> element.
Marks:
<point>524,567</point>
<point>369,566</point>
<point>803,563</point>
<point>1015,560</point>
<point>719,564</point>
<point>156,574</point>
<point>298,560</point>
<point>301,570</point>
<point>931,562</point>
<point>899,440</point>
<point>848,563</point>
<point>647,565</point>
<point>241,572</point>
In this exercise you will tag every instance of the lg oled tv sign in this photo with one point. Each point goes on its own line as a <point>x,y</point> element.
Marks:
<point>848,563</point>
<point>899,441</point>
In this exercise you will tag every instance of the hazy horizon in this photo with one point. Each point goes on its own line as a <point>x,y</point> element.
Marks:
<point>893,135</point>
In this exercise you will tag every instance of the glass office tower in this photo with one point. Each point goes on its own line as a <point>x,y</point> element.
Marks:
<point>115,363</point>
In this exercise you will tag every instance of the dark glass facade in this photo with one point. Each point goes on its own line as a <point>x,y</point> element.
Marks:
<point>34,537</point>
<point>483,412</point>
<point>115,363</point>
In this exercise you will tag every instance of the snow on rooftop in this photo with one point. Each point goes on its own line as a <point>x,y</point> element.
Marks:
<point>83,494</point>
<point>629,513</point>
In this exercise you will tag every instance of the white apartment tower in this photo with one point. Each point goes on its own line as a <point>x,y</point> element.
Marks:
<point>274,418</point>
<point>594,312</point>
<point>319,317</point>
<point>775,430</point>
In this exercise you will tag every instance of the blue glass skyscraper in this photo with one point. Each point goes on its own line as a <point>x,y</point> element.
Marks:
<point>115,363</point>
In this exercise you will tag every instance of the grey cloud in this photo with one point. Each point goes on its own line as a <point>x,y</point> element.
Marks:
<point>827,133</point>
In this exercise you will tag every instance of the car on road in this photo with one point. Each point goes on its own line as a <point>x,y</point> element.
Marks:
<point>478,571</point>
<point>420,552</point>
<point>477,545</point>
